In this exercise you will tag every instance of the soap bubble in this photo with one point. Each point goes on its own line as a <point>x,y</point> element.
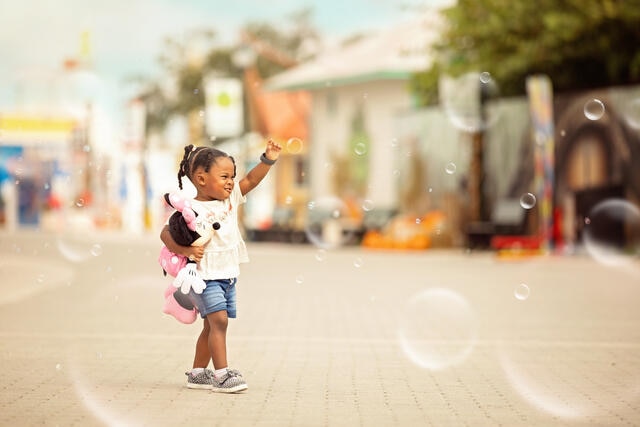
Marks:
<point>327,222</point>
<point>632,113</point>
<point>612,232</point>
<point>294,145</point>
<point>557,362</point>
<point>96,250</point>
<point>522,291</point>
<point>462,104</point>
<point>360,148</point>
<point>367,205</point>
<point>437,329</point>
<point>594,109</point>
<point>527,200</point>
<point>76,248</point>
<point>450,168</point>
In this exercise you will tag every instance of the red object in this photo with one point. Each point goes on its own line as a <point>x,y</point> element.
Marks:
<point>557,228</point>
<point>516,242</point>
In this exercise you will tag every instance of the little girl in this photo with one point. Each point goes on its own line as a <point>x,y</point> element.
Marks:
<point>218,198</point>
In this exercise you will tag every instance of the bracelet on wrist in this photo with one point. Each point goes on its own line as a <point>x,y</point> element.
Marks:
<point>265,160</point>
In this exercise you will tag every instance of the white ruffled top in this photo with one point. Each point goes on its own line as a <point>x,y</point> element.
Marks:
<point>226,250</point>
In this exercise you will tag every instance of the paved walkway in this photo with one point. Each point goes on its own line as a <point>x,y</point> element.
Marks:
<point>337,338</point>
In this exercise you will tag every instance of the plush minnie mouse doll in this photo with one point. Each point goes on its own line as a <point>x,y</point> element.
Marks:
<point>186,231</point>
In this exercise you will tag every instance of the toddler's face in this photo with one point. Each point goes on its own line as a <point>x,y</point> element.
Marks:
<point>218,183</point>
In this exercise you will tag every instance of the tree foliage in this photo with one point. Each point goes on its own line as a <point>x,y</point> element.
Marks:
<point>579,44</point>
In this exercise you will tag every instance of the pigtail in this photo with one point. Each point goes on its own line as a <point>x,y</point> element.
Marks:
<point>184,164</point>
<point>234,165</point>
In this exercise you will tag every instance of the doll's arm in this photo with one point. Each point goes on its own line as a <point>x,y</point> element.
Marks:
<point>193,253</point>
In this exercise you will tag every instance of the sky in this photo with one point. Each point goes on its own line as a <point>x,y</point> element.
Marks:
<point>126,36</point>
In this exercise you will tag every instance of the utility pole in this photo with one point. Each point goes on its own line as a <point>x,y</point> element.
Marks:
<point>477,202</point>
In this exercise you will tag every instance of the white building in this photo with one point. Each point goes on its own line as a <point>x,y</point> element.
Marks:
<point>358,91</point>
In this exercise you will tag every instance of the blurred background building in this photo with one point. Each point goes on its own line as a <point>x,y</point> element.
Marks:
<point>449,128</point>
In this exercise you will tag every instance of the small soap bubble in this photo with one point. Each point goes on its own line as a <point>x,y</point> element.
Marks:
<point>294,145</point>
<point>360,148</point>
<point>358,262</point>
<point>594,109</point>
<point>321,255</point>
<point>79,202</point>
<point>367,205</point>
<point>450,168</point>
<point>58,367</point>
<point>527,200</point>
<point>521,291</point>
<point>485,77</point>
<point>299,279</point>
<point>96,250</point>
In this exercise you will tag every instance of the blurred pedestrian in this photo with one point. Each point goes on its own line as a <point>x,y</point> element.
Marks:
<point>218,197</point>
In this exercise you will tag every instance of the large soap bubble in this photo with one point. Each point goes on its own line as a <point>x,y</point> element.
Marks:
<point>329,222</point>
<point>437,329</point>
<point>465,101</point>
<point>612,232</point>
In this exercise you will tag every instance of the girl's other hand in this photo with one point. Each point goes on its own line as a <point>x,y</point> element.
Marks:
<point>195,253</point>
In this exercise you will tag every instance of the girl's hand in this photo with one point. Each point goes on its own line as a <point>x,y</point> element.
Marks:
<point>194,253</point>
<point>272,152</point>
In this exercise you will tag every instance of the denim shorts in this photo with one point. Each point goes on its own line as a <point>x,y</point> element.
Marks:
<point>220,294</point>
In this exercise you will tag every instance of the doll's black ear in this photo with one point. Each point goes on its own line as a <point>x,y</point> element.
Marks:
<point>179,230</point>
<point>166,199</point>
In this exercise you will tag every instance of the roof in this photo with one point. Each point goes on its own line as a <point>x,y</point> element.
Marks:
<point>391,54</point>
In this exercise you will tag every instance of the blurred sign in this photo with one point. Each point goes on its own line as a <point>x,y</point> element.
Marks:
<point>20,123</point>
<point>224,107</point>
<point>540,92</point>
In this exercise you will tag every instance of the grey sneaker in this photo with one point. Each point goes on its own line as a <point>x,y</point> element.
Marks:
<point>231,382</point>
<point>203,380</point>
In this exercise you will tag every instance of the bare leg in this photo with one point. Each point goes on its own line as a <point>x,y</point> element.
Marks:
<point>202,356</point>
<point>218,322</point>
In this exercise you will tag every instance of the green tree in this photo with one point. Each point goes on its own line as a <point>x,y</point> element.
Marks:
<point>579,44</point>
